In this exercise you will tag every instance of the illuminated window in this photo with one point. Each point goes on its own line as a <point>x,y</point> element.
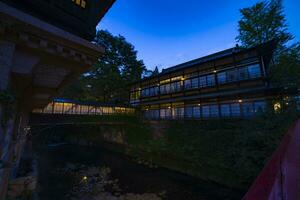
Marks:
<point>277,107</point>
<point>81,3</point>
<point>177,78</point>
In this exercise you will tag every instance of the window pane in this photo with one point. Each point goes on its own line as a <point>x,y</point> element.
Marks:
<point>155,91</point>
<point>232,75</point>
<point>143,93</point>
<point>205,111</point>
<point>202,81</point>
<point>195,83</point>
<point>187,84</point>
<point>235,110</point>
<point>211,80</point>
<point>147,114</point>
<point>254,71</point>
<point>225,110</point>
<point>168,88</point>
<point>188,112</point>
<point>173,87</point>
<point>58,107</point>
<point>168,113</point>
<point>222,78</point>
<point>162,113</point>
<point>243,73</point>
<point>162,89</point>
<point>196,112</point>
<point>151,114</point>
<point>176,86</point>
<point>247,109</point>
<point>179,113</point>
<point>214,111</point>
<point>259,106</point>
<point>151,91</point>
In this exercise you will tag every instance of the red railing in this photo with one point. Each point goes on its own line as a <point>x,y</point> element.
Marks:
<point>280,178</point>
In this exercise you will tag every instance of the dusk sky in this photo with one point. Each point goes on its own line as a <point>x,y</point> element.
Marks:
<point>166,33</point>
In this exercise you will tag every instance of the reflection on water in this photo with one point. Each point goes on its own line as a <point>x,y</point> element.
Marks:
<point>74,172</point>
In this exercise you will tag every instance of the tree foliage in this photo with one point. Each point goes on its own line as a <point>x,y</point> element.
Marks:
<point>286,72</point>
<point>155,71</point>
<point>263,22</point>
<point>110,78</point>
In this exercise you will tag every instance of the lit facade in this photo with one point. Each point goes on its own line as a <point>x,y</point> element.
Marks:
<point>228,84</point>
<point>71,107</point>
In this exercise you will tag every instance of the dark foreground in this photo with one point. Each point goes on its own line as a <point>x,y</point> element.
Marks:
<point>57,182</point>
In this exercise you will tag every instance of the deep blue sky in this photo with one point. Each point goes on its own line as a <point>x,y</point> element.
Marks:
<point>166,33</point>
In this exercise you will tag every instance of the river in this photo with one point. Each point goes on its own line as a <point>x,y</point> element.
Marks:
<point>60,169</point>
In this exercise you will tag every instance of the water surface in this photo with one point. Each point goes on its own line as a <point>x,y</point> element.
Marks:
<point>132,177</point>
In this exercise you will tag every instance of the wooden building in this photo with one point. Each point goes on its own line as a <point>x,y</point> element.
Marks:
<point>227,84</point>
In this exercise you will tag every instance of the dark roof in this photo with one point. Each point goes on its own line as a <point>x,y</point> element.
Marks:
<point>201,60</point>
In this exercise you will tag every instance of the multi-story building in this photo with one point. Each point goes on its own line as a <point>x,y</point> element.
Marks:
<point>230,83</point>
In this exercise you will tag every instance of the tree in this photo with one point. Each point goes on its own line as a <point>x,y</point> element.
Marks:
<point>286,72</point>
<point>263,22</point>
<point>79,90</point>
<point>150,73</point>
<point>155,71</point>
<point>109,79</point>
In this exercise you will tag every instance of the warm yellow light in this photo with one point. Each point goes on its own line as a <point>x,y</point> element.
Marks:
<point>277,106</point>
<point>215,71</point>
<point>83,4</point>
<point>199,104</point>
<point>169,107</point>
<point>240,100</point>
